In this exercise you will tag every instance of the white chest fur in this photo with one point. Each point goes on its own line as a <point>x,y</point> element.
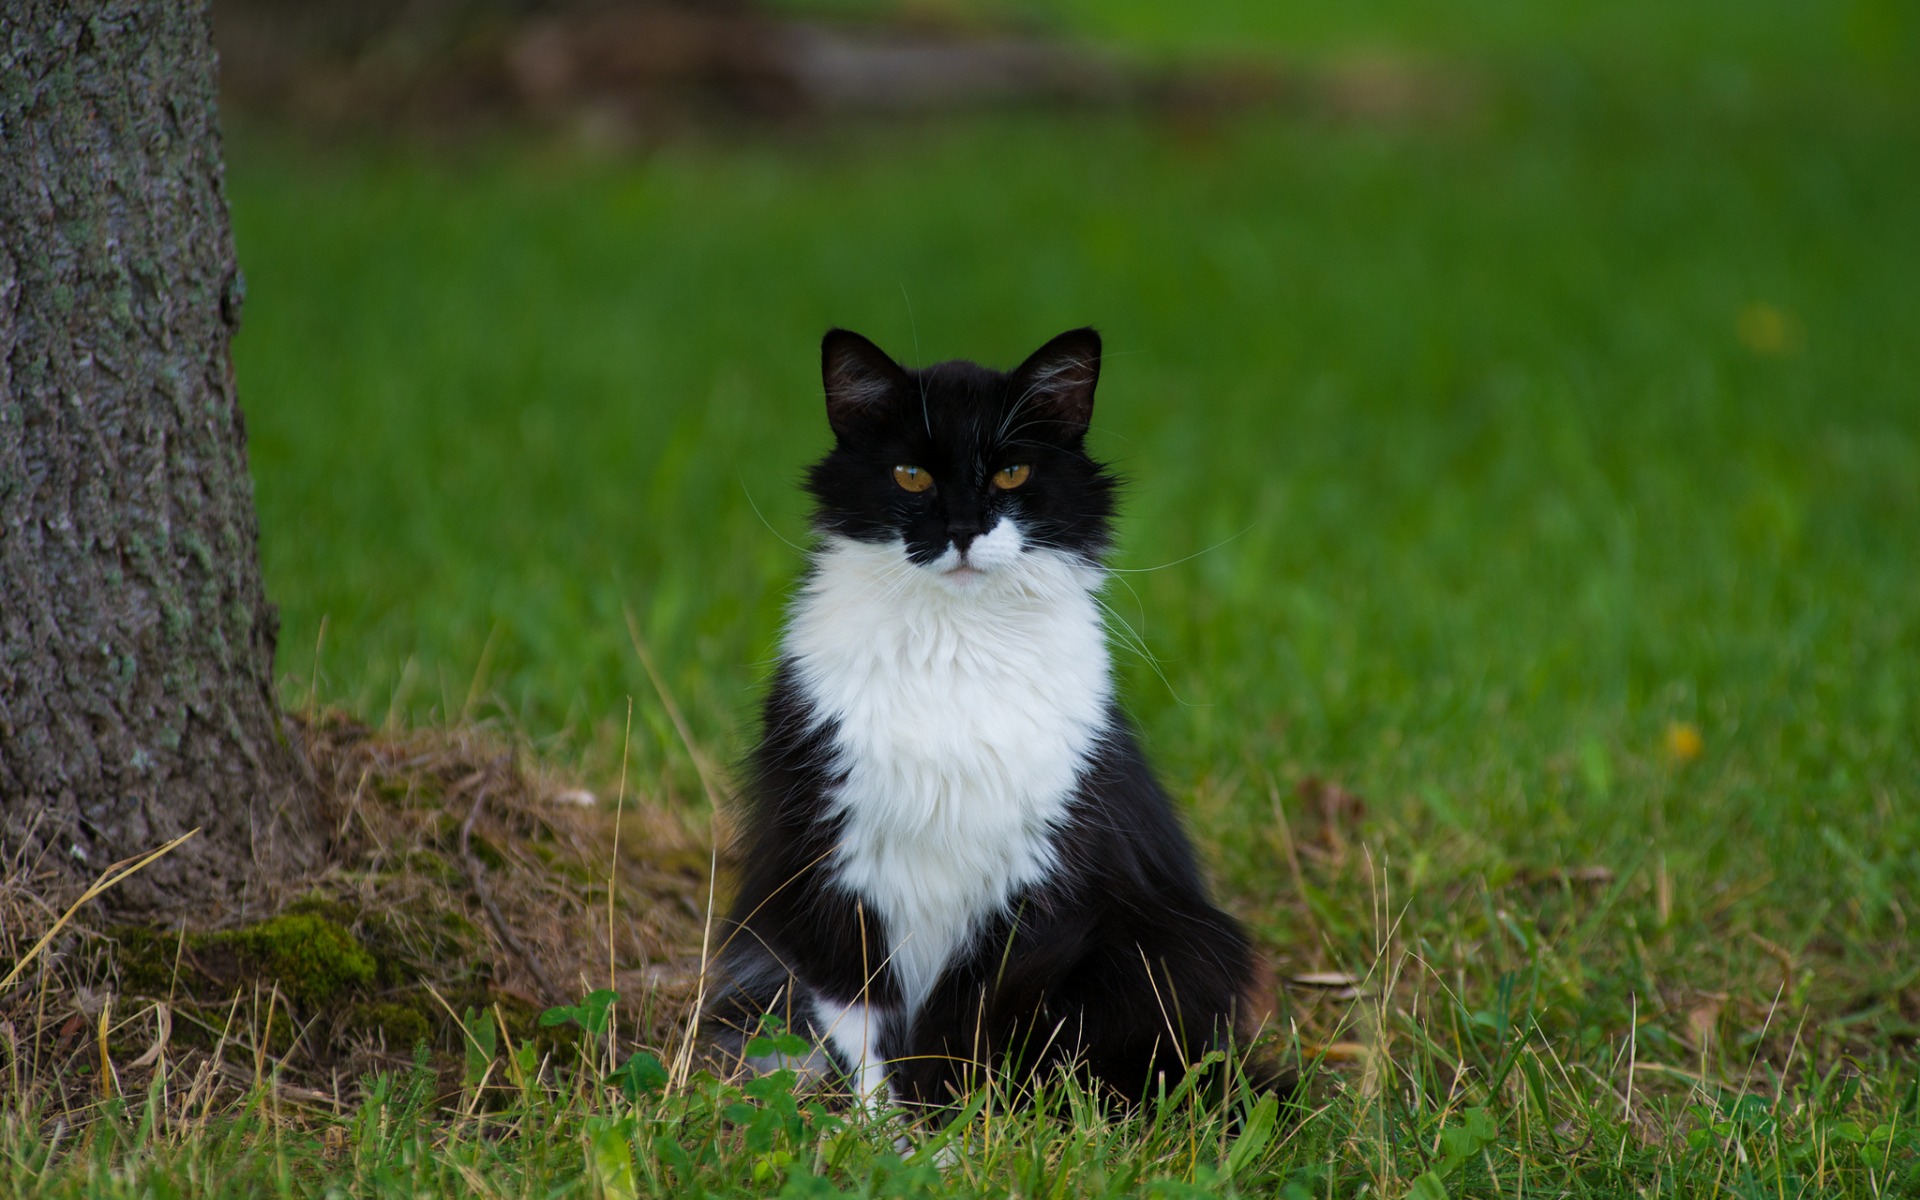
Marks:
<point>963,722</point>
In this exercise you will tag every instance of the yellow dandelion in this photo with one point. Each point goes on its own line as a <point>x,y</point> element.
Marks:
<point>1684,743</point>
<point>1767,330</point>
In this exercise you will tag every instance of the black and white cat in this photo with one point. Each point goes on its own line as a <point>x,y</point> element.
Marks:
<point>955,855</point>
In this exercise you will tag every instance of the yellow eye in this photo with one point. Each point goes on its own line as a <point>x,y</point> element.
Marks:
<point>1008,478</point>
<point>913,479</point>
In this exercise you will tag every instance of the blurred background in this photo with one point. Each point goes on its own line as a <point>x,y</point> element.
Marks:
<point>1518,399</point>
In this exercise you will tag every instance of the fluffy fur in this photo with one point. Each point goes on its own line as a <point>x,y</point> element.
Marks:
<point>955,855</point>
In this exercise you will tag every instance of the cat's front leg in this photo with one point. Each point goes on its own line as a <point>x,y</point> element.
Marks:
<point>860,1035</point>
<point>992,1012</point>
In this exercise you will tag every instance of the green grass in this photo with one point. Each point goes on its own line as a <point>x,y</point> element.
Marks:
<point>1468,458</point>
<point>519,1127</point>
<point>1769,34</point>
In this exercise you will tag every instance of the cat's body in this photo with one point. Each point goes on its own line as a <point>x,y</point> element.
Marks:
<point>955,854</point>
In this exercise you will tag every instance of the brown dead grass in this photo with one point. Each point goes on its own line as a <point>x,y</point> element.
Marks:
<point>539,863</point>
<point>473,875</point>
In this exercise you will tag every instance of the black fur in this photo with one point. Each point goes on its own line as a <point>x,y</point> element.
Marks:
<point>962,422</point>
<point>1117,966</point>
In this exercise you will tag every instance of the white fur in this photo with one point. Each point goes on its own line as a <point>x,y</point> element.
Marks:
<point>854,1030</point>
<point>968,695</point>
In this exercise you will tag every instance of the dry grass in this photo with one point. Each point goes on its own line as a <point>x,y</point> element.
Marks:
<point>1424,1074</point>
<point>469,875</point>
<point>545,851</point>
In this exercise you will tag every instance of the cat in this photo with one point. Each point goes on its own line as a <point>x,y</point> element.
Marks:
<point>955,857</point>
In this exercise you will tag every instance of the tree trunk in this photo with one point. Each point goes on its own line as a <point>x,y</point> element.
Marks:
<point>136,642</point>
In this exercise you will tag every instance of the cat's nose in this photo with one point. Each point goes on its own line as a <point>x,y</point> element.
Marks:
<point>962,535</point>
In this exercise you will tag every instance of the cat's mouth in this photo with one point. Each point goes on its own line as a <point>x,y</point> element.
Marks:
<point>966,568</point>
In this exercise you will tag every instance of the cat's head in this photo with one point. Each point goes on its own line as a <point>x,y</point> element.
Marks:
<point>966,468</point>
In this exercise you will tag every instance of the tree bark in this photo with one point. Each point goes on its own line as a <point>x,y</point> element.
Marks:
<point>136,641</point>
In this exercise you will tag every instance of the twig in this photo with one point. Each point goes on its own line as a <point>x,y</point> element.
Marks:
<point>613,862</point>
<point>274,1086</point>
<point>477,879</point>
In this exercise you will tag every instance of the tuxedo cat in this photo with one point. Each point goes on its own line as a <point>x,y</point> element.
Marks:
<point>955,855</point>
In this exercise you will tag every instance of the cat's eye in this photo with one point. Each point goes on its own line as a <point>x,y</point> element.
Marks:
<point>913,479</point>
<point>1008,478</point>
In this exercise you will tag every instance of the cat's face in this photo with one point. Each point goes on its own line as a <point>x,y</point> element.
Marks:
<point>967,469</point>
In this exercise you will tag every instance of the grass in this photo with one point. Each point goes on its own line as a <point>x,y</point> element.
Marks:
<point>1479,465</point>
<point>608,1123</point>
<point>1715,35</point>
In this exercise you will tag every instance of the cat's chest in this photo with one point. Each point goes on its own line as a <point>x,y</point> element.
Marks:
<point>961,729</point>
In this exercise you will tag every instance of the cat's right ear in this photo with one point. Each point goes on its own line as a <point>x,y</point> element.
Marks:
<point>1057,380</point>
<point>859,377</point>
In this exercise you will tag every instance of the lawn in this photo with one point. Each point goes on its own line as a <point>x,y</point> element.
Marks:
<point>1518,573</point>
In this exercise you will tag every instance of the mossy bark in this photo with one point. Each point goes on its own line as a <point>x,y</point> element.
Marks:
<point>136,642</point>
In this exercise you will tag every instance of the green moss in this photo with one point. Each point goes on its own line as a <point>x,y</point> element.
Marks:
<point>282,1032</point>
<point>577,872</point>
<point>145,958</point>
<point>488,854</point>
<point>327,908</point>
<point>416,792</point>
<point>197,548</point>
<point>312,958</point>
<point>432,866</point>
<point>453,933</point>
<point>398,943</point>
<point>402,1026</point>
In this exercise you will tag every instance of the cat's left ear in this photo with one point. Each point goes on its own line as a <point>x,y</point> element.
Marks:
<point>1058,378</point>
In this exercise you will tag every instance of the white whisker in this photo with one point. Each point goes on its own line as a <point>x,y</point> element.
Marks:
<point>1244,530</point>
